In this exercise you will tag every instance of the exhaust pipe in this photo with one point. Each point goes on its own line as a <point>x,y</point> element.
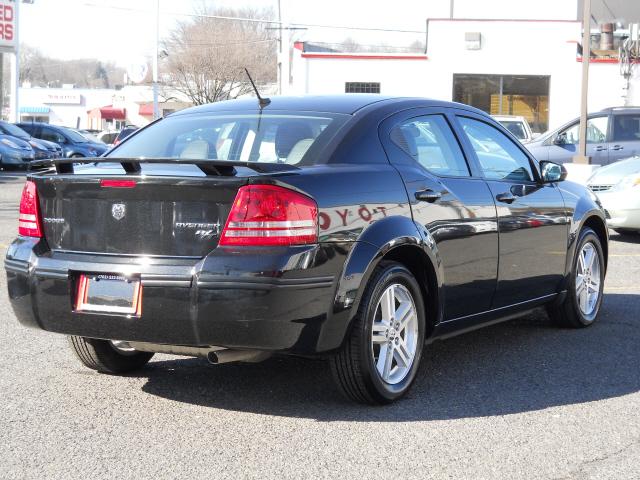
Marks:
<point>215,355</point>
<point>225,356</point>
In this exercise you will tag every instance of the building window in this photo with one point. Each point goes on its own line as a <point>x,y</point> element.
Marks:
<point>362,87</point>
<point>522,95</point>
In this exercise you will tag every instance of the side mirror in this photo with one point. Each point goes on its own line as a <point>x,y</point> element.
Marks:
<point>560,139</point>
<point>552,172</point>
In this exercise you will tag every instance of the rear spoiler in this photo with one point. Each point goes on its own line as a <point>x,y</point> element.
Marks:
<point>132,165</point>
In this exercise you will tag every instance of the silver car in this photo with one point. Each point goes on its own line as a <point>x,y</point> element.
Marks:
<point>613,134</point>
<point>618,187</point>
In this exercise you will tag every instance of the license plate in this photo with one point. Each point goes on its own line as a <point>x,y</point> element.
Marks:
<point>107,293</point>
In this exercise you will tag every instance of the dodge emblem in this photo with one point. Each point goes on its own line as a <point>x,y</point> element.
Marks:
<point>118,211</point>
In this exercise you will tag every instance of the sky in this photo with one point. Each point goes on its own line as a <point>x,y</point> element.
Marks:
<point>123,30</point>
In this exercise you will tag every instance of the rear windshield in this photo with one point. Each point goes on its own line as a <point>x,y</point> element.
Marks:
<point>272,138</point>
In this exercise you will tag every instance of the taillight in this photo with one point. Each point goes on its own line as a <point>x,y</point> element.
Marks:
<point>29,219</point>
<point>270,215</point>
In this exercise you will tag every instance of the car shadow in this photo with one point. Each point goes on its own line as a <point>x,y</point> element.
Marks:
<point>627,238</point>
<point>523,365</point>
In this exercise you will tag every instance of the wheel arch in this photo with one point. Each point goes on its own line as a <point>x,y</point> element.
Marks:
<point>595,220</point>
<point>394,239</point>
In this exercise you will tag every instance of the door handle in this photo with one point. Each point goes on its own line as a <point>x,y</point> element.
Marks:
<point>600,148</point>
<point>427,195</point>
<point>506,197</point>
<point>617,147</point>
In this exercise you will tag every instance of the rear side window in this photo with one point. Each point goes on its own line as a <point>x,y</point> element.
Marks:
<point>430,141</point>
<point>270,138</point>
<point>499,157</point>
<point>626,128</point>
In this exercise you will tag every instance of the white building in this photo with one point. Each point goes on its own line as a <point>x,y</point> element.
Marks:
<point>100,109</point>
<point>504,64</point>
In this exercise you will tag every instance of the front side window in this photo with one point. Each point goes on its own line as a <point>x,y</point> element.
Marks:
<point>430,141</point>
<point>251,137</point>
<point>499,157</point>
<point>51,135</point>
<point>626,128</point>
<point>596,131</point>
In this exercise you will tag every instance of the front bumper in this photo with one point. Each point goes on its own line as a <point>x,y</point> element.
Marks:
<point>283,303</point>
<point>17,159</point>
<point>622,208</point>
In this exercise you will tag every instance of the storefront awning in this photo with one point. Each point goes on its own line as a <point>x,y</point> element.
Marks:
<point>41,110</point>
<point>146,110</point>
<point>112,113</point>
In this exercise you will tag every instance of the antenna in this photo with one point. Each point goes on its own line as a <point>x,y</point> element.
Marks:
<point>262,101</point>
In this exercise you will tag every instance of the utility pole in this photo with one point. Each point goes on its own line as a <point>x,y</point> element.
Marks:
<point>15,81</point>
<point>156,108</point>
<point>582,157</point>
<point>280,49</point>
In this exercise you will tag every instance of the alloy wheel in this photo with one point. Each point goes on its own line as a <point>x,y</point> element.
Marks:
<point>394,334</point>
<point>588,279</point>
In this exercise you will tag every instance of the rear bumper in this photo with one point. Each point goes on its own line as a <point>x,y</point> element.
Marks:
<point>284,303</point>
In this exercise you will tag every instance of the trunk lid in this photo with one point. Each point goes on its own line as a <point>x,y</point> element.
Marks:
<point>166,216</point>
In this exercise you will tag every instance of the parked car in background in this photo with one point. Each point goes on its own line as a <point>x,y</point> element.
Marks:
<point>15,153</point>
<point>356,228</point>
<point>124,133</point>
<point>73,143</point>
<point>108,137</point>
<point>612,134</point>
<point>41,148</point>
<point>88,135</point>
<point>517,125</point>
<point>618,187</point>
<point>91,131</point>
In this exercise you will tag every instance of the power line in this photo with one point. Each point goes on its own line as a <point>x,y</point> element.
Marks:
<point>606,5</point>
<point>259,20</point>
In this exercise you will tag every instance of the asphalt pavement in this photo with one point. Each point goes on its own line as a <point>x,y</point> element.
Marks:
<point>522,399</point>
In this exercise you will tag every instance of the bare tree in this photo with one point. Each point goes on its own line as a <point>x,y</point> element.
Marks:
<point>207,56</point>
<point>44,71</point>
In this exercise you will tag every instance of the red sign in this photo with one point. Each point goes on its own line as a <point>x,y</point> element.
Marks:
<point>8,26</point>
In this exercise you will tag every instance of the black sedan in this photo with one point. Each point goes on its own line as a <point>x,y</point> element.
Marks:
<point>357,228</point>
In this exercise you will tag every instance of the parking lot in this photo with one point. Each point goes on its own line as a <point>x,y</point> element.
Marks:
<point>522,399</point>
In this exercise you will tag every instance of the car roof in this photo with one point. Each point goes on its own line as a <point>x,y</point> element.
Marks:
<point>43,124</point>
<point>347,103</point>
<point>621,110</point>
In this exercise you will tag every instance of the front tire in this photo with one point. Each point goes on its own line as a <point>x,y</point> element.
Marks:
<point>380,358</point>
<point>582,303</point>
<point>103,356</point>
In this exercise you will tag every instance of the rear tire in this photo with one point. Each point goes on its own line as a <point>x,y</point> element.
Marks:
<point>578,310</point>
<point>379,360</point>
<point>102,356</point>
